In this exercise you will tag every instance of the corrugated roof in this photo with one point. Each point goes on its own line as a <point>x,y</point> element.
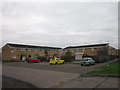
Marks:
<point>31,46</point>
<point>95,45</point>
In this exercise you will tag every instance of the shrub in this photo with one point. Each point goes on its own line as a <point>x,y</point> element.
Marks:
<point>68,57</point>
<point>42,58</point>
<point>100,59</point>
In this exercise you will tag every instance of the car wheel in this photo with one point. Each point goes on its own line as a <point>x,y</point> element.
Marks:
<point>50,63</point>
<point>59,63</point>
<point>63,62</point>
<point>89,64</point>
<point>55,63</point>
<point>81,64</point>
<point>29,61</point>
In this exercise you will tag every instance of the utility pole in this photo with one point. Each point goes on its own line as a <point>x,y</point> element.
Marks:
<point>26,52</point>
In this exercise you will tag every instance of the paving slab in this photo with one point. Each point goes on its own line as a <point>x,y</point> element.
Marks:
<point>83,82</point>
<point>39,78</point>
<point>90,82</point>
<point>0,75</point>
<point>109,83</point>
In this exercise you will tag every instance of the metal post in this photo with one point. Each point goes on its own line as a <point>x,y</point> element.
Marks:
<point>26,52</point>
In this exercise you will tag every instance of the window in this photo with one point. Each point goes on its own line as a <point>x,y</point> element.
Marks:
<point>65,51</point>
<point>83,49</point>
<point>41,50</point>
<point>71,50</point>
<point>14,57</point>
<point>22,49</point>
<point>28,49</point>
<point>14,49</point>
<point>92,49</point>
<point>11,51</point>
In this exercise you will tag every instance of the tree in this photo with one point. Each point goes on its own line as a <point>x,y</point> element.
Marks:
<point>67,57</point>
<point>102,55</point>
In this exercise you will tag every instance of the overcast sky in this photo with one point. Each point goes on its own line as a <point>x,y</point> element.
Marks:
<point>60,23</point>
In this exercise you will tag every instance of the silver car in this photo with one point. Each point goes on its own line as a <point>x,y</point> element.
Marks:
<point>87,61</point>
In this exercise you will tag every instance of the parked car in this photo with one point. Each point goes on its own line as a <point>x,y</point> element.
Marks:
<point>33,59</point>
<point>56,61</point>
<point>87,61</point>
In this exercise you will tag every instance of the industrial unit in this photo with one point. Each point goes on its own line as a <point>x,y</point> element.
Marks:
<point>19,52</point>
<point>15,52</point>
<point>91,50</point>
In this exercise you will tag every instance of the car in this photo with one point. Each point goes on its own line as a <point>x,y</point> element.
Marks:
<point>33,59</point>
<point>87,61</point>
<point>56,61</point>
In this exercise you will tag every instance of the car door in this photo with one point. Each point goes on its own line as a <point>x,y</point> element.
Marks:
<point>92,61</point>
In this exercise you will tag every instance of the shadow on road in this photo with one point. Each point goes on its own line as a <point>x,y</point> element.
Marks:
<point>8,82</point>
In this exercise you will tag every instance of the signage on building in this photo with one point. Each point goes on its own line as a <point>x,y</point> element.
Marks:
<point>14,57</point>
<point>79,53</point>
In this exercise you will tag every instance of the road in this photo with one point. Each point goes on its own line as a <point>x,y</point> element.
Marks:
<point>43,75</point>
<point>67,67</point>
<point>14,83</point>
<point>37,77</point>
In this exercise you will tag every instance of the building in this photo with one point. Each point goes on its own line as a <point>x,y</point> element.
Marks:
<point>0,54</point>
<point>16,52</point>
<point>103,50</point>
<point>19,52</point>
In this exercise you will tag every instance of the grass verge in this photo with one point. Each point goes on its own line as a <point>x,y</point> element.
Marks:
<point>107,70</point>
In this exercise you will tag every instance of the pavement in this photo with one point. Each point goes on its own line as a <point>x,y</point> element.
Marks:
<point>0,74</point>
<point>57,79</point>
<point>90,82</point>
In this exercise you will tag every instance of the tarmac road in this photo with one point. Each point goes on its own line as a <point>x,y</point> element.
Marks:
<point>38,78</point>
<point>57,76</point>
<point>67,67</point>
<point>8,82</point>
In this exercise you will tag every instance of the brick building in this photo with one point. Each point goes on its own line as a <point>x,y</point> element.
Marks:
<point>15,52</point>
<point>91,50</point>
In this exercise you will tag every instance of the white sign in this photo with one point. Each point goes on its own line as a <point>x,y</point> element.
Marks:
<point>11,51</point>
<point>14,57</point>
<point>79,53</point>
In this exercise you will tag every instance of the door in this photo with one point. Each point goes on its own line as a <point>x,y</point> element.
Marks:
<point>78,56</point>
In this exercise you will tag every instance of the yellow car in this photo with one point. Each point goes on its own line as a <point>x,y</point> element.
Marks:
<point>56,61</point>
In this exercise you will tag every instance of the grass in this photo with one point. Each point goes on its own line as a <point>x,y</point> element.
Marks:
<point>107,70</point>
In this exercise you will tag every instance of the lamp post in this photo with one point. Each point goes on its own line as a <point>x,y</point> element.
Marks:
<point>26,52</point>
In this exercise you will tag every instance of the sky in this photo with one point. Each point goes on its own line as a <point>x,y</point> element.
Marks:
<point>59,24</point>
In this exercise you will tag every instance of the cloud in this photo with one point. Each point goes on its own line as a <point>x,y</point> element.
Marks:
<point>60,23</point>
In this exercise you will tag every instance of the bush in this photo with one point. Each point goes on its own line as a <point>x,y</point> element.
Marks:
<point>101,59</point>
<point>42,58</point>
<point>68,57</point>
<point>112,57</point>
